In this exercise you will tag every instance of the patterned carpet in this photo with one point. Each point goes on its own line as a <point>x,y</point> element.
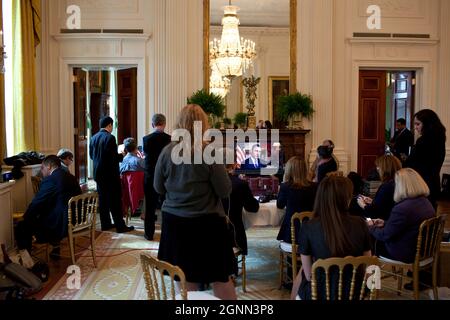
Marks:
<point>118,275</point>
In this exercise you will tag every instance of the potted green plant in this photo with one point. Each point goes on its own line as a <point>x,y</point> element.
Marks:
<point>294,107</point>
<point>240,119</point>
<point>211,103</point>
<point>227,123</point>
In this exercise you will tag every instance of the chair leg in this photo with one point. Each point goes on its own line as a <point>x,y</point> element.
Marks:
<point>281,269</point>
<point>416,284</point>
<point>93,247</point>
<point>244,275</point>
<point>399,275</point>
<point>434,281</point>
<point>72,248</point>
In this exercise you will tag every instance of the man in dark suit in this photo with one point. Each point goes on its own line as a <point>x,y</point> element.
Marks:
<point>153,144</point>
<point>46,216</point>
<point>253,162</point>
<point>402,141</point>
<point>103,151</point>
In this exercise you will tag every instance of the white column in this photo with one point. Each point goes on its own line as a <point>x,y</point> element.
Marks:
<point>177,55</point>
<point>315,65</point>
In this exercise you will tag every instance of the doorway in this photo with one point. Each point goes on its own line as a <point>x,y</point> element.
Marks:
<point>384,97</point>
<point>100,91</point>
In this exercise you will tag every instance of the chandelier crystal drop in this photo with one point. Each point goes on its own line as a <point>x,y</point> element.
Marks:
<point>217,83</point>
<point>231,54</point>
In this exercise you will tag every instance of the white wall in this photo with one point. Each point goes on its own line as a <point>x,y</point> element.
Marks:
<point>169,54</point>
<point>328,59</point>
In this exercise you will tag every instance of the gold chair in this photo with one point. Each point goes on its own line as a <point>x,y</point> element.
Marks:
<point>356,263</point>
<point>82,214</point>
<point>427,256</point>
<point>335,174</point>
<point>241,260</point>
<point>157,284</point>
<point>290,250</point>
<point>36,183</point>
<point>154,271</point>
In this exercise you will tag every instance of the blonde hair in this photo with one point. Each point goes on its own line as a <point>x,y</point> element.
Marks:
<point>188,116</point>
<point>409,184</point>
<point>296,172</point>
<point>387,166</point>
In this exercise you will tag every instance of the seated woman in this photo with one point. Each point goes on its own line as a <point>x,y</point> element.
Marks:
<point>241,197</point>
<point>132,178</point>
<point>296,194</point>
<point>326,163</point>
<point>397,237</point>
<point>312,173</point>
<point>131,162</point>
<point>333,232</point>
<point>382,204</point>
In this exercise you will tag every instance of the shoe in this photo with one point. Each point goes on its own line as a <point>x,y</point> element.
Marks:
<point>148,237</point>
<point>409,286</point>
<point>109,227</point>
<point>125,229</point>
<point>55,254</point>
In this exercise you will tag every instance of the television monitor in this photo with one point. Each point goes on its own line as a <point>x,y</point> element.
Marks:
<point>255,156</point>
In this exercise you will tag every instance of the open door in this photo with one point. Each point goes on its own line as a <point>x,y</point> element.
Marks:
<point>372,119</point>
<point>126,104</point>
<point>80,128</point>
<point>403,97</point>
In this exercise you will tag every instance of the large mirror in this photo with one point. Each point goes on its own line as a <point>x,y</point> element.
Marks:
<point>272,26</point>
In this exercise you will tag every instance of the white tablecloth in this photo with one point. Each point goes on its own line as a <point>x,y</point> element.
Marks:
<point>267,215</point>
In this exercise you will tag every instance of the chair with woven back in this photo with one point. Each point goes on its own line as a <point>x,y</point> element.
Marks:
<point>345,278</point>
<point>159,287</point>
<point>427,255</point>
<point>290,250</point>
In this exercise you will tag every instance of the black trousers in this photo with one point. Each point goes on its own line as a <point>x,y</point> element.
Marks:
<point>110,201</point>
<point>25,230</point>
<point>151,203</point>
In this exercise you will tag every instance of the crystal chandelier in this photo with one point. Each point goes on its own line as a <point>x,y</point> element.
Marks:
<point>217,83</point>
<point>232,55</point>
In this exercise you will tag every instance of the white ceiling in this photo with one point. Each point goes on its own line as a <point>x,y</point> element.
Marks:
<point>254,13</point>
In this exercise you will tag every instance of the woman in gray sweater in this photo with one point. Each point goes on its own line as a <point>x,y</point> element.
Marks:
<point>194,234</point>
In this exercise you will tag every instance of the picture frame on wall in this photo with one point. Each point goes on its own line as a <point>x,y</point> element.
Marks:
<point>278,85</point>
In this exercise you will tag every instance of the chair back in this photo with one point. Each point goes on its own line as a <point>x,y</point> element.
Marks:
<point>354,265</point>
<point>429,240</point>
<point>82,211</point>
<point>36,183</point>
<point>154,276</point>
<point>335,174</point>
<point>132,190</point>
<point>301,217</point>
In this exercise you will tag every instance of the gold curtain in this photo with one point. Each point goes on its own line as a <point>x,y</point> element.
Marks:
<point>2,103</point>
<point>26,32</point>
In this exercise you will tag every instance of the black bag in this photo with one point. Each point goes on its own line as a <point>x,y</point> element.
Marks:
<point>23,277</point>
